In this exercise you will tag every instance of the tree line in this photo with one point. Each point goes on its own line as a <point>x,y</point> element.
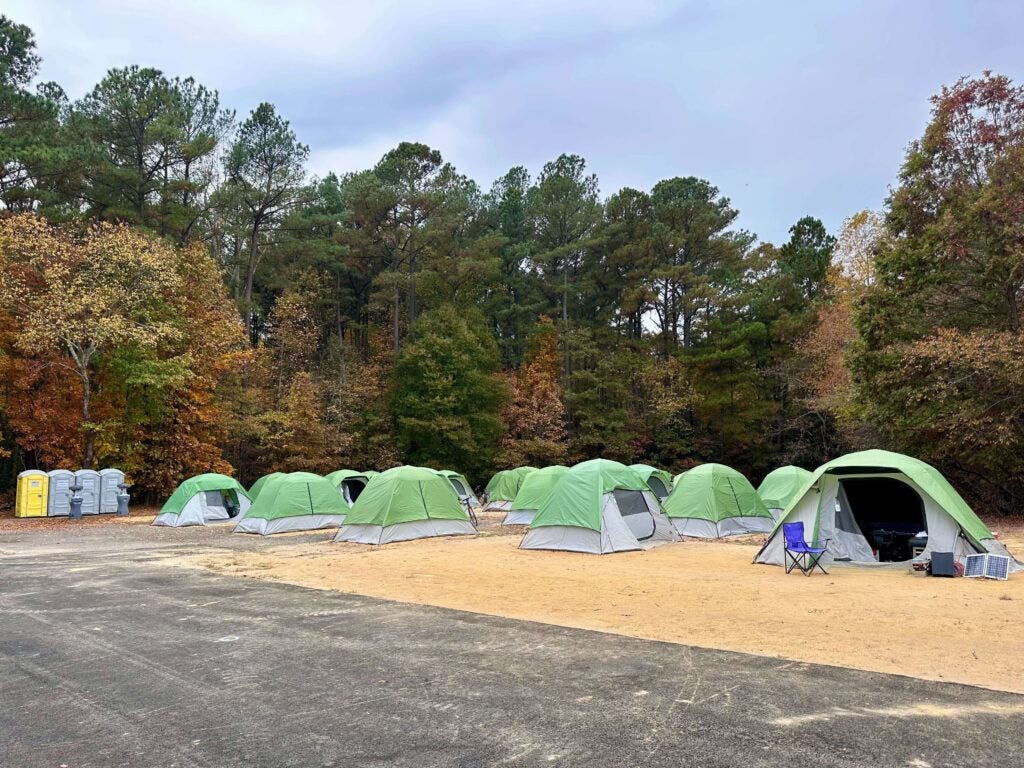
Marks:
<point>180,296</point>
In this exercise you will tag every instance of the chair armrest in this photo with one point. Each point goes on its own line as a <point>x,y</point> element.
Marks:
<point>819,543</point>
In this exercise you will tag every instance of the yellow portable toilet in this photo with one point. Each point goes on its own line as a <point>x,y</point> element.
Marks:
<point>33,487</point>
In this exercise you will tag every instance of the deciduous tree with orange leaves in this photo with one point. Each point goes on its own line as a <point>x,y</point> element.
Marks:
<point>131,330</point>
<point>535,415</point>
<point>937,364</point>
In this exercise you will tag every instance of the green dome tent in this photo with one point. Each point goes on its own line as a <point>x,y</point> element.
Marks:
<point>461,485</point>
<point>780,486</point>
<point>204,499</point>
<point>298,501</point>
<point>349,483</point>
<point>255,488</point>
<point>878,502</point>
<point>405,503</point>
<point>713,500</point>
<point>599,506</point>
<point>504,486</point>
<point>531,494</point>
<point>658,480</point>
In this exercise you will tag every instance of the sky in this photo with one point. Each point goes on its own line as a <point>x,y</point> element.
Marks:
<point>790,108</point>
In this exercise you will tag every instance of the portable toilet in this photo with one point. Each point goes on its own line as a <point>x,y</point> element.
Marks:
<point>110,479</point>
<point>89,480</point>
<point>31,497</point>
<point>59,497</point>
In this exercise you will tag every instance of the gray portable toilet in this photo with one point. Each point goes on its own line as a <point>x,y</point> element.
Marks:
<point>109,480</point>
<point>58,503</point>
<point>89,479</point>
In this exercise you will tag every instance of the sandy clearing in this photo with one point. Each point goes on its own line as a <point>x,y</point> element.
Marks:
<point>698,593</point>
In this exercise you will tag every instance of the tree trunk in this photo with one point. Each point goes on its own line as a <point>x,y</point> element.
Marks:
<point>90,432</point>
<point>1014,311</point>
<point>565,324</point>
<point>411,291</point>
<point>250,277</point>
<point>394,322</point>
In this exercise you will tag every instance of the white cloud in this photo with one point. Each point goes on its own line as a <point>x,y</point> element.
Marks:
<point>239,41</point>
<point>791,109</point>
<point>454,133</point>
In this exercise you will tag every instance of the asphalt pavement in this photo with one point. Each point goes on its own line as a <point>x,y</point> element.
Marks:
<point>110,657</point>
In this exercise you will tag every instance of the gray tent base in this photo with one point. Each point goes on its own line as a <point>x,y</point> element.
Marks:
<point>498,505</point>
<point>414,529</point>
<point>519,517</point>
<point>287,524</point>
<point>730,526</point>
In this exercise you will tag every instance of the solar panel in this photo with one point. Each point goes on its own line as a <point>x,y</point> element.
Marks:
<point>974,566</point>
<point>997,567</point>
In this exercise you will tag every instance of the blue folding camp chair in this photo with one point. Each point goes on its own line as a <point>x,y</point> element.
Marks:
<point>805,555</point>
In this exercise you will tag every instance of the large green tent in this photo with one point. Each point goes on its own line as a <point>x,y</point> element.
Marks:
<point>598,506</point>
<point>349,483</point>
<point>504,486</point>
<point>780,486</point>
<point>405,503</point>
<point>878,506</point>
<point>297,501</point>
<point>203,499</point>
<point>658,480</point>
<point>535,488</point>
<point>713,500</point>
<point>255,488</point>
<point>461,486</point>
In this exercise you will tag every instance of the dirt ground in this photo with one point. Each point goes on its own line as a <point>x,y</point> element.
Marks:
<point>698,593</point>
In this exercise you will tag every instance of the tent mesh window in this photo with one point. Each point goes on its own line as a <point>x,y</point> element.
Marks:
<point>631,504</point>
<point>657,486</point>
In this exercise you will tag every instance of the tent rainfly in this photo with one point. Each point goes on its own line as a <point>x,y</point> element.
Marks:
<point>532,492</point>
<point>297,501</point>
<point>255,488</point>
<point>504,486</point>
<point>878,506</point>
<point>658,480</point>
<point>405,503</point>
<point>713,500</point>
<point>780,486</point>
<point>349,483</point>
<point>599,506</point>
<point>204,499</point>
<point>461,486</point>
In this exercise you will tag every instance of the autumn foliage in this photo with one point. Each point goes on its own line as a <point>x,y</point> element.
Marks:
<point>535,417</point>
<point>115,345</point>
